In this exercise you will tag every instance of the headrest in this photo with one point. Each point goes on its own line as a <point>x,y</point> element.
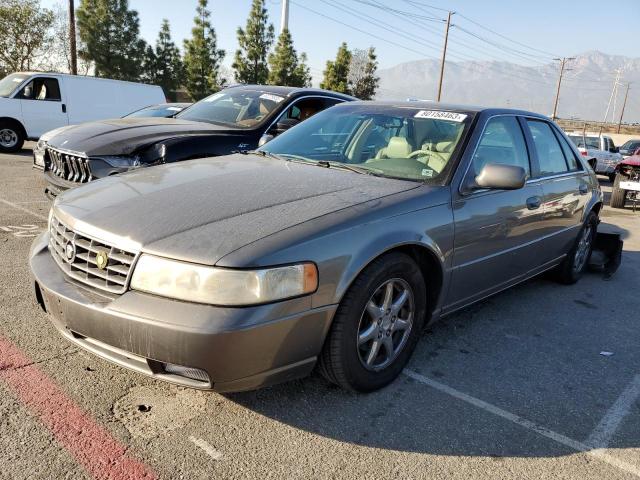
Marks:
<point>398,148</point>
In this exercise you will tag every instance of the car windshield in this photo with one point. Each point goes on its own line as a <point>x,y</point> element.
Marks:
<point>399,142</point>
<point>592,142</point>
<point>630,145</point>
<point>239,108</point>
<point>9,83</point>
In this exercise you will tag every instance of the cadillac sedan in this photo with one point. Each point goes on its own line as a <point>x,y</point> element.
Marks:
<point>333,245</point>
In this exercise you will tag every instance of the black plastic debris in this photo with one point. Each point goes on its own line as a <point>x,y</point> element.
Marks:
<point>607,253</point>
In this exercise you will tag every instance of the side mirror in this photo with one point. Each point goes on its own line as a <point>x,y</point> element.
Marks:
<point>264,139</point>
<point>501,177</point>
<point>614,149</point>
<point>283,125</point>
<point>27,92</point>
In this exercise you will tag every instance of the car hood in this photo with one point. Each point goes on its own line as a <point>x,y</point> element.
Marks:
<point>123,136</point>
<point>634,161</point>
<point>201,210</point>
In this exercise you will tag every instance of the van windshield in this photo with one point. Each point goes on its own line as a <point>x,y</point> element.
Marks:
<point>9,83</point>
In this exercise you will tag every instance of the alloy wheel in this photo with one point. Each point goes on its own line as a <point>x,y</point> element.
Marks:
<point>584,247</point>
<point>385,324</point>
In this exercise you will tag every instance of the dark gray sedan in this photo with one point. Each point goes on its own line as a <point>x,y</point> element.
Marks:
<point>333,245</point>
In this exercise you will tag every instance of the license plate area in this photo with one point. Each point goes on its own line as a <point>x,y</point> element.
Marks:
<point>635,186</point>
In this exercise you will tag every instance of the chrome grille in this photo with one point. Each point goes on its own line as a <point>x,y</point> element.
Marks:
<point>82,266</point>
<point>71,167</point>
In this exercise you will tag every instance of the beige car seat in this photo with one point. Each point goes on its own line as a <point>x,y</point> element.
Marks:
<point>398,147</point>
<point>436,162</point>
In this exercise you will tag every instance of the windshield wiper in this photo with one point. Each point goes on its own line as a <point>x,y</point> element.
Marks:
<point>350,168</point>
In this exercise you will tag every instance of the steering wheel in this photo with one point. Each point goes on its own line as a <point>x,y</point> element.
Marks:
<point>419,153</point>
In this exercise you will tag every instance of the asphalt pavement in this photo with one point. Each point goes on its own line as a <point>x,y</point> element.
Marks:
<point>541,381</point>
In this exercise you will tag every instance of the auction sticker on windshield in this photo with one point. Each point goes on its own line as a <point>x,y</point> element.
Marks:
<point>272,97</point>
<point>440,115</point>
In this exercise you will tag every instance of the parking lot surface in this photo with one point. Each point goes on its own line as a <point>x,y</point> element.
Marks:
<point>541,381</point>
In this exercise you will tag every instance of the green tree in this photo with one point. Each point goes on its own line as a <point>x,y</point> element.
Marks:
<point>336,74</point>
<point>286,68</point>
<point>110,35</point>
<point>202,57</point>
<point>24,34</point>
<point>363,81</point>
<point>164,64</point>
<point>255,41</point>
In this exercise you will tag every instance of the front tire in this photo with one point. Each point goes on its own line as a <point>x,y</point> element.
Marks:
<point>11,137</point>
<point>577,260</point>
<point>612,177</point>
<point>618,195</point>
<point>377,325</point>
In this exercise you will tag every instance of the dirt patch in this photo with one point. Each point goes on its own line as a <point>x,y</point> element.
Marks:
<point>147,412</point>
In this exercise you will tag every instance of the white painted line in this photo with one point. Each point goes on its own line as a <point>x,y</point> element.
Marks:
<point>26,210</point>
<point>204,445</point>
<point>601,435</point>
<point>523,422</point>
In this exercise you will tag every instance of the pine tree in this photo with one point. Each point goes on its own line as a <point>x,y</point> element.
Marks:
<point>363,81</point>
<point>202,57</point>
<point>337,72</point>
<point>110,35</point>
<point>255,41</point>
<point>286,68</point>
<point>165,66</point>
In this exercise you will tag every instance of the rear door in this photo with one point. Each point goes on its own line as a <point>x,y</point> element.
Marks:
<point>43,107</point>
<point>565,187</point>
<point>496,231</point>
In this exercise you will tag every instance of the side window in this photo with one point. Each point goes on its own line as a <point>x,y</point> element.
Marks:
<point>569,154</point>
<point>502,142</point>
<point>550,156</point>
<point>41,89</point>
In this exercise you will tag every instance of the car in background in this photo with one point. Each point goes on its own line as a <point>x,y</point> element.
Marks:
<point>626,185</point>
<point>335,244</point>
<point>629,147</point>
<point>163,110</point>
<point>236,118</point>
<point>34,103</point>
<point>598,147</point>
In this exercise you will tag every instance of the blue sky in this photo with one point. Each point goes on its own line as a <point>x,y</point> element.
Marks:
<point>559,27</point>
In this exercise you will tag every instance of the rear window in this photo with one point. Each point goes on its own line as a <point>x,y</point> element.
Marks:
<point>591,142</point>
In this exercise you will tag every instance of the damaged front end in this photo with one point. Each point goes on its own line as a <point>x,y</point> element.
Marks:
<point>626,186</point>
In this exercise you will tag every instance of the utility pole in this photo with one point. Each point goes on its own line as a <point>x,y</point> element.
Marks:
<point>72,38</point>
<point>563,62</point>
<point>284,16</point>
<point>613,91</point>
<point>624,104</point>
<point>444,55</point>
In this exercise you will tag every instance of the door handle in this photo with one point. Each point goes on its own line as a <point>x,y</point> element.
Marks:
<point>583,188</point>
<point>533,203</point>
<point>64,108</point>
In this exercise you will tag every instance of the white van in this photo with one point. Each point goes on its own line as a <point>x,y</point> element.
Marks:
<point>34,103</point>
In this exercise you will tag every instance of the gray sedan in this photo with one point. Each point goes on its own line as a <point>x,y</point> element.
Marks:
<point>333,245</point>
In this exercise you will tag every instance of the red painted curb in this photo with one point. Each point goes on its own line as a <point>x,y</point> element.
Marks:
<point>90,444</point>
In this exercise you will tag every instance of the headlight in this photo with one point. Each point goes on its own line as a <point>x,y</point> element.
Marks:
<point>222,286</point>
<point>121,161</point>
<point>38,153</point>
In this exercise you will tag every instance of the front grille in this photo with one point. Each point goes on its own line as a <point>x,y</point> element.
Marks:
<point>81,263</point>
<point>71,167</point>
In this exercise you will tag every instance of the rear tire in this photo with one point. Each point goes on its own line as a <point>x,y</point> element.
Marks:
<point>577,260</point>
<point>374,332</point>
<point>11,137</point>
<point>618,195</point>
<point>612,177</point>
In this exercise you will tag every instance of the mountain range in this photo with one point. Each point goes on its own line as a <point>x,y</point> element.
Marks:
<point>586,87</point>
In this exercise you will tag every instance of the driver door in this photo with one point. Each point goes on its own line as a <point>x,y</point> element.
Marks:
<point>496,231</point>
<point>42,106</point>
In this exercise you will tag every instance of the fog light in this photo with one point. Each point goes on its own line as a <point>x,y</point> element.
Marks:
<point>187,372</point>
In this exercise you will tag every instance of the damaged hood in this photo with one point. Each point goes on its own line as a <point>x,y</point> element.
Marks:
<point>123,136</point>
<point>201,210</point>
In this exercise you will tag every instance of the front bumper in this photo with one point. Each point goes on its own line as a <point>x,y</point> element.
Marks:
<point>238,348</point>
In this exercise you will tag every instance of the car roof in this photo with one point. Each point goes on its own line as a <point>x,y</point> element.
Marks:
<point>291,91</point>
<point>431,105</point>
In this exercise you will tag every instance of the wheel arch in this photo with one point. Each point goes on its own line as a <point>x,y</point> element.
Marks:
<point>15,122</point>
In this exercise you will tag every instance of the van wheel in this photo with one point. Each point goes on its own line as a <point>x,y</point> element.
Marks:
<point>618,195</point>
<point>576,261</point>
<point>11,137</point>
<point>376,326</point>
